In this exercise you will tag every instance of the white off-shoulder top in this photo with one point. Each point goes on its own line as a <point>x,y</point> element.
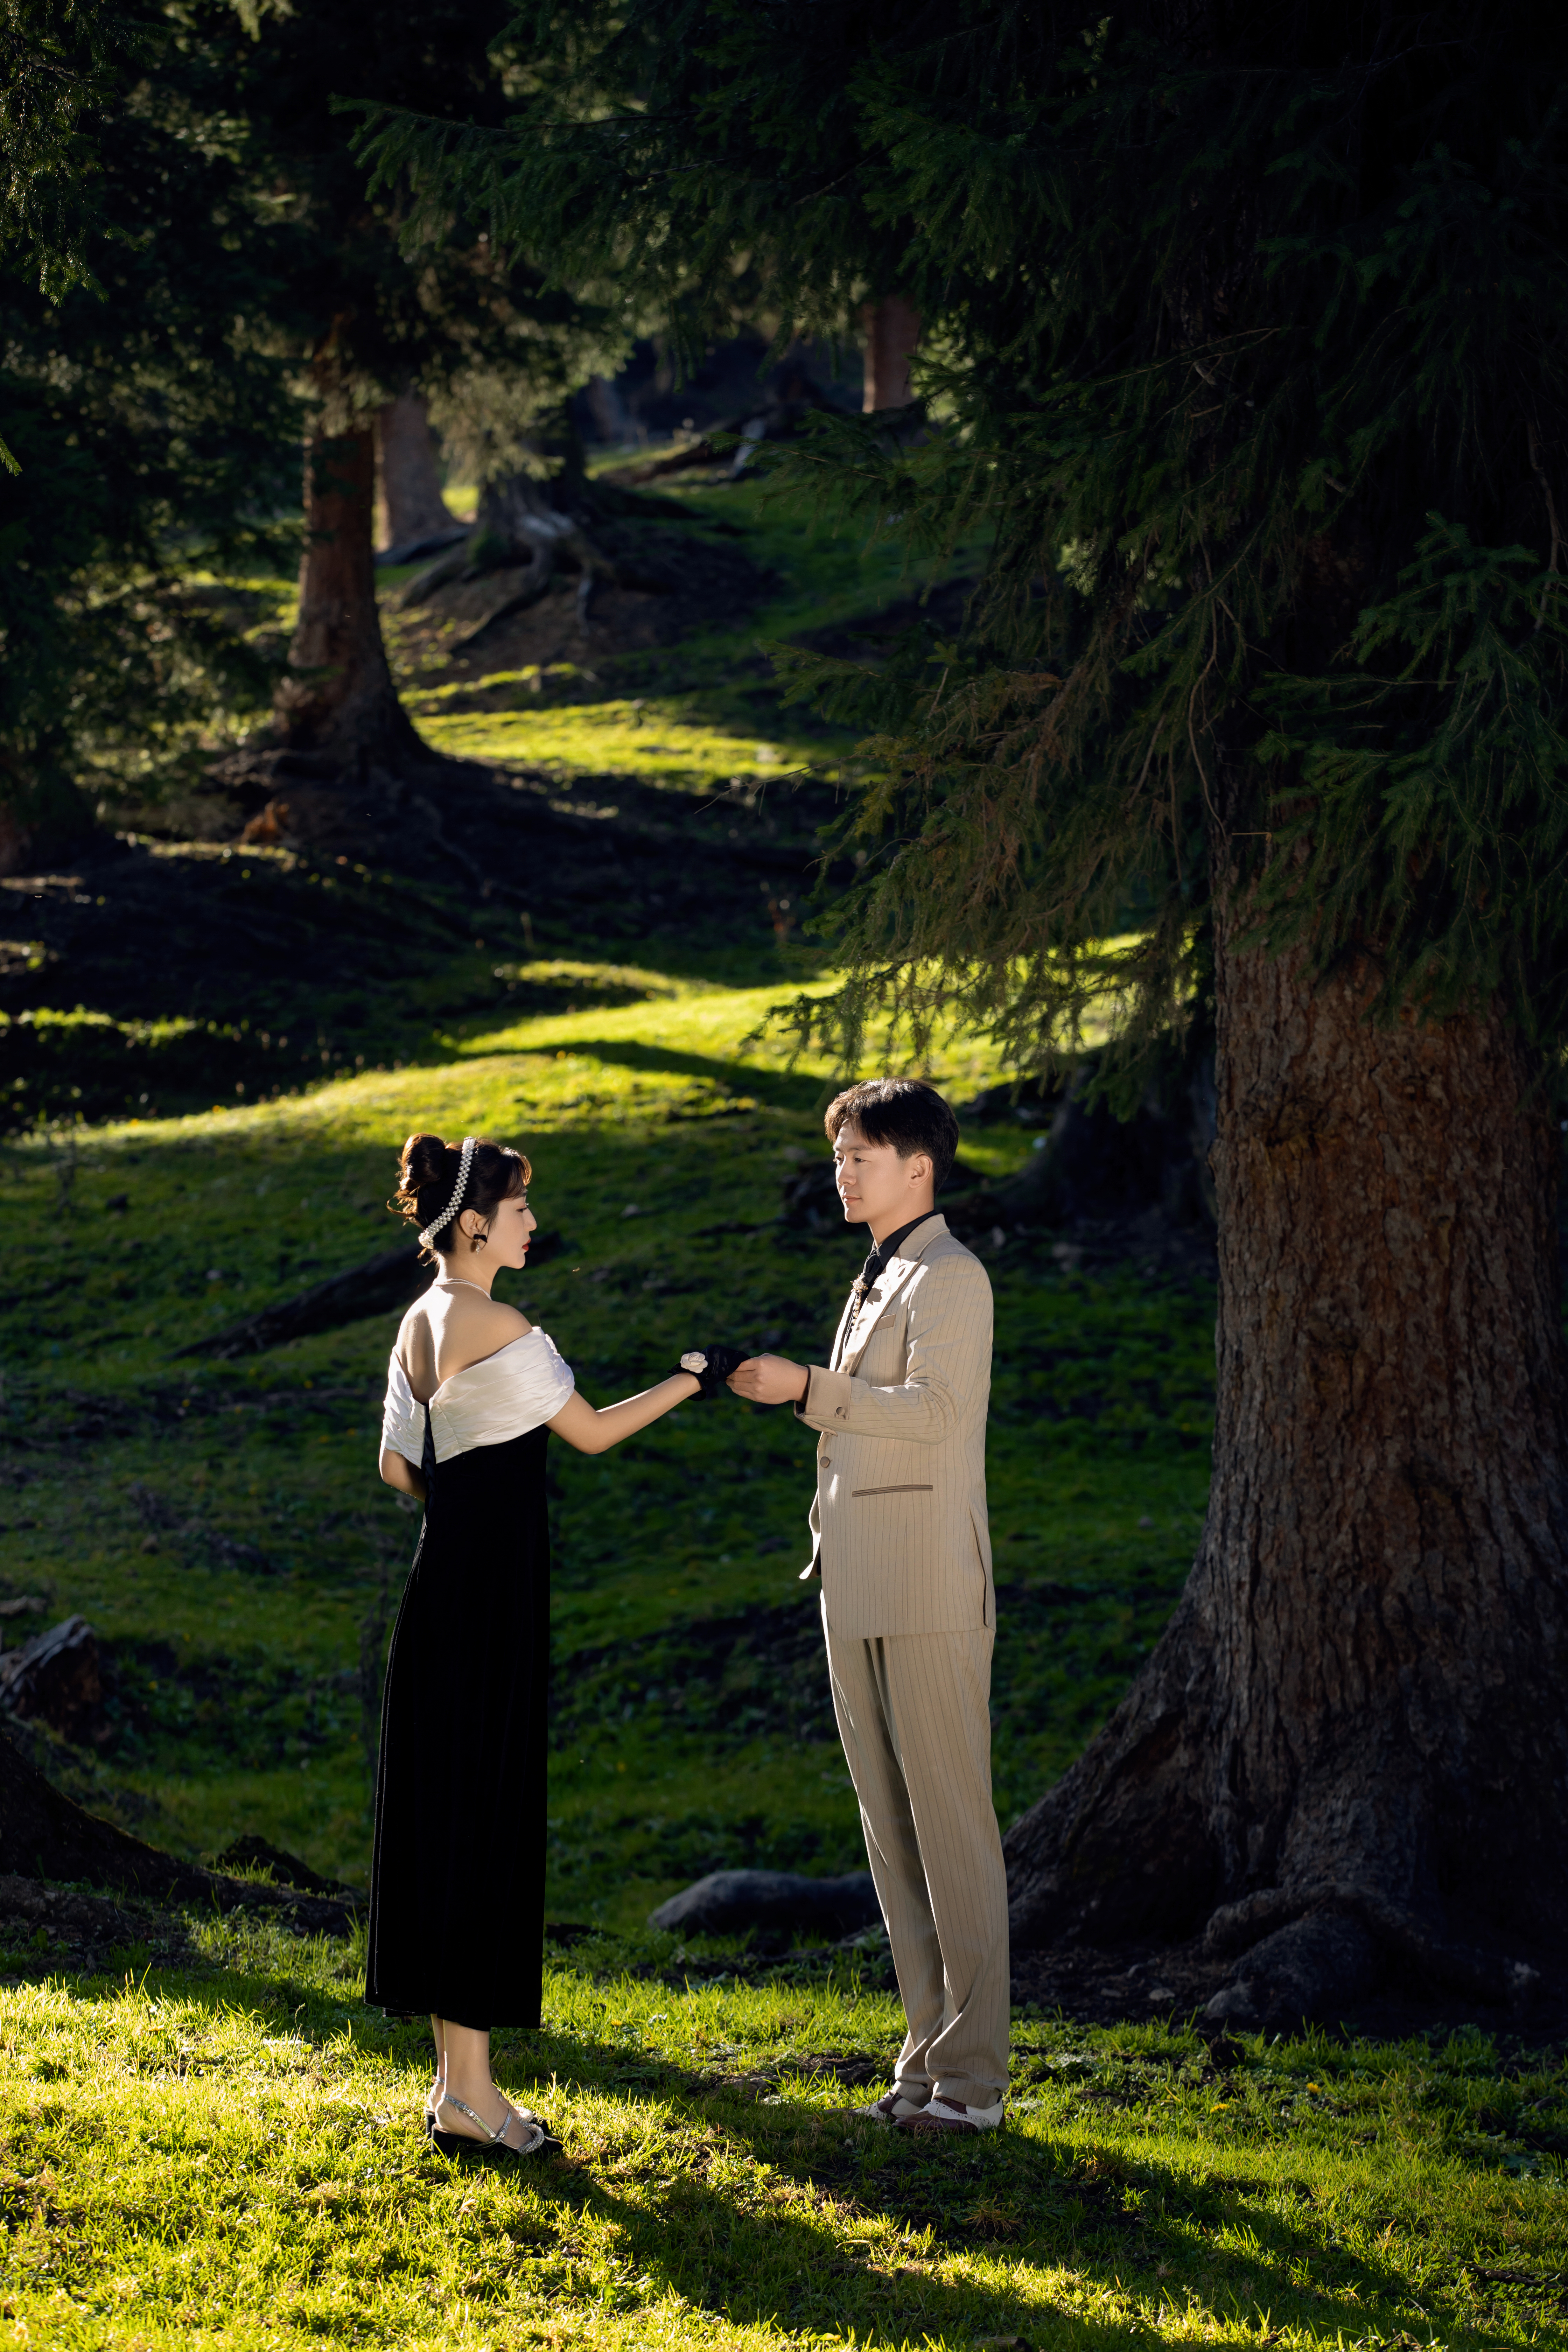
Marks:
<point>504,1395</point>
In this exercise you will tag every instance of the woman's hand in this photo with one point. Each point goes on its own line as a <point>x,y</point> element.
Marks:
<point>712,1366</point>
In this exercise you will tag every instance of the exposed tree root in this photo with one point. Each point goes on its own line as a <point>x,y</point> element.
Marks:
<point>43,1835</point>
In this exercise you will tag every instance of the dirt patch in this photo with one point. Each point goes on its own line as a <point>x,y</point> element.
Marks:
<point>1173,1982</point>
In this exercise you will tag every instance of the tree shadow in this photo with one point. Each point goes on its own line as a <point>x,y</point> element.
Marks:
<point>752,2207</point>
<point>782,1089</point>
<point>792,2258</point>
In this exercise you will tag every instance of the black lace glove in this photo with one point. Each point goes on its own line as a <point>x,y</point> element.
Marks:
<point>711,1367</point>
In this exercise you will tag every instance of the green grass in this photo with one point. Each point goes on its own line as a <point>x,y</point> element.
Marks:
<point>665,741</point>
<point>228,2156</point>
<point>700,715</point>
<point>224,1528</point>
<point>220,2147</point>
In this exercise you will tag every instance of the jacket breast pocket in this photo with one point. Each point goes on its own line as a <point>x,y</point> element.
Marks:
<point>919,1487</point>
<point>882,1356</point>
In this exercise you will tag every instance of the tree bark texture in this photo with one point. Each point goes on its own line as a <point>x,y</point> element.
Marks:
<point>1353,1728</point>
<point>338,703</point>
<point>892,330</point>
<point>409,503</point>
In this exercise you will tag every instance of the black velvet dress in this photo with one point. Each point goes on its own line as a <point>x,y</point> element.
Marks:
<point>457,1904</point>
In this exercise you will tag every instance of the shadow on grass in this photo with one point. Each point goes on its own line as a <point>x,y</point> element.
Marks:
<point>789,2255</point>
<point>780,2211</point>
<point>781,1090</point>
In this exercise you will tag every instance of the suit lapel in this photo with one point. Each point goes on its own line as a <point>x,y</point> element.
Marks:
<point>895,1276</point>
<point>842,1334</point>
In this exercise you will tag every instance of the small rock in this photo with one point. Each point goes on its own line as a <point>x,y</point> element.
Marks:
<point>55,1679</point>
<point>727,1902</point>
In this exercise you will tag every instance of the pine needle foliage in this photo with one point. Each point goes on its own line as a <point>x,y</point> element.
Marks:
<point>152,417</point>
<point>62,63</point>
<point>1244,342</point>
<point>655,150</point>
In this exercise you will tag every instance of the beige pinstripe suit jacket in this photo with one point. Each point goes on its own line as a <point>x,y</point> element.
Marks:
<point>899,1522</point>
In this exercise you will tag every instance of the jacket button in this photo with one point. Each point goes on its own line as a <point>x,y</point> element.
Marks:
<point>825,1463</point>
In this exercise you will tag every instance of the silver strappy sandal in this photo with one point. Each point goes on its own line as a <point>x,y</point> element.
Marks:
<point>433,2101</point>
<point>464,2144</point>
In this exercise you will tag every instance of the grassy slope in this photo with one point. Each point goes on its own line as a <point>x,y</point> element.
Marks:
<point>226,2153</point>
<point>698,716</point>
<point>226,1533</point>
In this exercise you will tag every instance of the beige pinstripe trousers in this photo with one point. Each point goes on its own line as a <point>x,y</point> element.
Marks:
<point>914,1715</point>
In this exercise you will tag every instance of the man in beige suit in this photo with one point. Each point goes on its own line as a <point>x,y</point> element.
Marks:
<point>908,1606</point>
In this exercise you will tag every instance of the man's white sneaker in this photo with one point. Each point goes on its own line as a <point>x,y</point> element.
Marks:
<point>892,2107</point>
<point>951,2114</point>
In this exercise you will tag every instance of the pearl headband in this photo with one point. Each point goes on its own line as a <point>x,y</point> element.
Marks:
<point>455,1202</point>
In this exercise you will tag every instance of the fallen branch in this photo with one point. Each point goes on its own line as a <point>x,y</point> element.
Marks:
<point>388,1280</point>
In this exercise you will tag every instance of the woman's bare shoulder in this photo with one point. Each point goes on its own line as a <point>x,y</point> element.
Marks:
<point>476,1327</point>
<point>415,1327</point>
<point>505,1322</point>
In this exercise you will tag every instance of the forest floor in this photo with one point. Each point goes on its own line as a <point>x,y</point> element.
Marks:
<point>205,2135</point>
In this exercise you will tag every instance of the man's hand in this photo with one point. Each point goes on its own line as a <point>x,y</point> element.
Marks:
<point>770,1379</point>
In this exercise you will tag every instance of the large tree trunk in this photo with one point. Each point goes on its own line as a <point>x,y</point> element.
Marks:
<point>892,328</point>
<point>1351,1747</point>
<point>338,704</point>
<point>410,505</point>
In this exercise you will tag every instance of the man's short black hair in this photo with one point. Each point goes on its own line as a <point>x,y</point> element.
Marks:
<point>904,1112</point>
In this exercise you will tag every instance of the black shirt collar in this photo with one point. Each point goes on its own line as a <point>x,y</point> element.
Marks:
<point>885,1251</point>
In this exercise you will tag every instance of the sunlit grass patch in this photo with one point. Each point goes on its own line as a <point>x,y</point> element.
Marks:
<point>664,742</point>
<point>694,716</point>
<point>230,2156</point>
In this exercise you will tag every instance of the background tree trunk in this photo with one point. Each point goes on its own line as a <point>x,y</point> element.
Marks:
<point>409,502</point>
<point>1351,1743</point>
<point>339,703</point>
<point>528,529</point>
<point>893,328</point>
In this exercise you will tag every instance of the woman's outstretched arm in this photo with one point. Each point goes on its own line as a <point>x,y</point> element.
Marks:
<point>595,1430</point>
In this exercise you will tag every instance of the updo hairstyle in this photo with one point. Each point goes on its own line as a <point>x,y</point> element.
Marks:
<point>427,1173</point>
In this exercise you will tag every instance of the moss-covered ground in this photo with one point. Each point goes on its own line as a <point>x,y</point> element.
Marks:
<point>226,2152</point>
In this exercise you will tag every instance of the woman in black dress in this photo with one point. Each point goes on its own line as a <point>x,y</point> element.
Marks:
<point>457,1885</point>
